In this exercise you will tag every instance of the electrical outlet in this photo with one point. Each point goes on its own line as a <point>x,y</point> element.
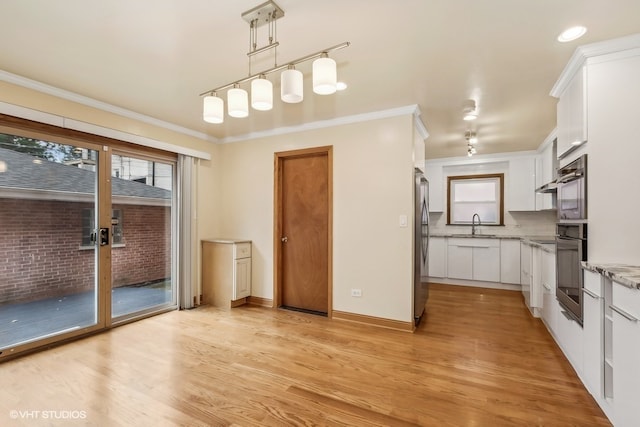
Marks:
<point>356,292</point>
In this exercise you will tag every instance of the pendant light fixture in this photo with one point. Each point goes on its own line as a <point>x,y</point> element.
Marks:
<point>325,76</point>
<point>237,102</point>
<point>291,85</point>
<point>262,94</point>
<point>292,80</point>
<point>213,109</point>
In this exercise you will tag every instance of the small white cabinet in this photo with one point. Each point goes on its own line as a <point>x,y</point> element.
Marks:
<point>474,259</point>
<point>438,257</point>
<point>226,272</point>
<point>549,303</point>
<point>545,173</point>
<point>510,261</point>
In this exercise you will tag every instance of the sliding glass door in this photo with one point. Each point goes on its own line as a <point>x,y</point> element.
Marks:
<point>88,234</point>
<point>142,195</point>
<point>48,240</point>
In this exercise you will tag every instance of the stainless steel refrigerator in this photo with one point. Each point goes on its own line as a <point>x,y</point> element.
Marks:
<point>421,247</point>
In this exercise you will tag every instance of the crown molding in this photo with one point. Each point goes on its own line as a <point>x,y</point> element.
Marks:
<point>320,124</point>
<point>582,53</point>
<point>99,105</point>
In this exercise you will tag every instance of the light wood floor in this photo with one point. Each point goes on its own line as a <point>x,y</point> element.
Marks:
<point>479,359</point>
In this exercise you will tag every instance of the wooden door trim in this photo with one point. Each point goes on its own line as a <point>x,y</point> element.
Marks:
<point>279,157</point>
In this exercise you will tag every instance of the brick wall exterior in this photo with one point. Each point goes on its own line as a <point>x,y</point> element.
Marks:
<point>40,253</point>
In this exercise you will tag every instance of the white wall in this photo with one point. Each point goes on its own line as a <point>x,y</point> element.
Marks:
<point>613,163</point>
<point>372,187</point>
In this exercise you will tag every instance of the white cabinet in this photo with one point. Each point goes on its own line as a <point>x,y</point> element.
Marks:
<point>459,261</point>
<point>625,312</point>
<point>521,185</point>
<point>525,271</point>
<point>510,261</point>
<point>569,334</point>
<point>572,113</point>
<point>438,257</point>
<point>593,361</point>
<point>545,173</point>
<point>549,303</point>
<point>473,259</point>
<point>434,173</point>
<point>226,272</point>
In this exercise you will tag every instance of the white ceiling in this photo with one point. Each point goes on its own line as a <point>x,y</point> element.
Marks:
<point>155,57</point>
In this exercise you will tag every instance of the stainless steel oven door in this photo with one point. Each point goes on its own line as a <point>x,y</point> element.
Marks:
<point>569,253</point>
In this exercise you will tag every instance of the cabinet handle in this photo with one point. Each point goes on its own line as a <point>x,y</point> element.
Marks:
<point>471,246</point>
<point>285,239</point>
<point>569,316</point>
<point>547,287</point>
<point>623,313</point>
<point>590,293</point>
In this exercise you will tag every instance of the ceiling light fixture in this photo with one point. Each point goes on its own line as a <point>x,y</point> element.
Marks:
<point>324,73</point>
<point>469,110</point>
<point>471,137</point>
<point>572,33</point>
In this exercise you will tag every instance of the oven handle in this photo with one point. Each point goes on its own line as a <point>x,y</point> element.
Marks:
<point>570,177</point>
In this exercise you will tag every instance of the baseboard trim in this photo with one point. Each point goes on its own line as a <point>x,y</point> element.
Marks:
<point>260,302</point>
<point>374,321</point>
<point>238,302</point>
<point>476,284</point>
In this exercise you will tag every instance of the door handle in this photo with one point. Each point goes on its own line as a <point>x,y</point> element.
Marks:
<point>285,239</point>
<point>104,236</point>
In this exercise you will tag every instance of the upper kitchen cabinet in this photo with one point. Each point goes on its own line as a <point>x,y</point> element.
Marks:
<point>546,165</point>
<point>572,113</point>
<point>435,175</point>
<point>521,184</point>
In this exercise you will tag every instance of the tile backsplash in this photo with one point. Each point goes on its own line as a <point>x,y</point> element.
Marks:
<point>542,223</point>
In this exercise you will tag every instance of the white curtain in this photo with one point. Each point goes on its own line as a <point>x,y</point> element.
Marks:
<point>187,225</point>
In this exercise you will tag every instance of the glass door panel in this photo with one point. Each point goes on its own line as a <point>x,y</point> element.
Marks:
<point>48,216</point>
<point>142,278</point>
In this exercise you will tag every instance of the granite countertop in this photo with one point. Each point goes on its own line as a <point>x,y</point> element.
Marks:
<point>225,240</point>
<point>628,275</point>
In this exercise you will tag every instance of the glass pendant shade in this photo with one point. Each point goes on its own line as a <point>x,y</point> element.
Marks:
<point>291,87</point>
<point>237,102</point>
<point>324,76</point>
<point>261,94</point>
<point>213,109</point>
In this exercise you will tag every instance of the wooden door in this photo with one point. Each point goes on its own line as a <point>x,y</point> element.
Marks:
<point>303,230</point>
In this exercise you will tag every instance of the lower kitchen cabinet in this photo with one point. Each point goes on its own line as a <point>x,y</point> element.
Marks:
<point>510,261</point>
<point>437,257</point>
<point>625,313</point>
<point>569,334</point>
<point>593,325</point>
<point>473,259</point>
<point>549,304</point>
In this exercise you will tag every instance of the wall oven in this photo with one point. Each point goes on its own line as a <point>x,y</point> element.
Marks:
<point>571,249</point>
<point>572,190</point>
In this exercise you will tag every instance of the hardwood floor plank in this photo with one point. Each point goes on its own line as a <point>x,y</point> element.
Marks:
<point>477,359</point>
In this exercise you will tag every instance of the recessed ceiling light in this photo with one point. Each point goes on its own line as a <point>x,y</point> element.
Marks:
<point>341,86</point>
<point>571,34</point>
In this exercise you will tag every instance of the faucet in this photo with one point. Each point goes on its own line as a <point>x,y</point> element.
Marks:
<point>473,223</point>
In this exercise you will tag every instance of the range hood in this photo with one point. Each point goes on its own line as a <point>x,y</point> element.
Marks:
<point>550,187</point>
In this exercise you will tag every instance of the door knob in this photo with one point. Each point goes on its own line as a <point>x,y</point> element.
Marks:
<point>285,239</point>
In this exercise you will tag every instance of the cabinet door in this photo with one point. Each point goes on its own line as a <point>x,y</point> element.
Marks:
<point>525,268</point>
<point>572,124</point>
<point>626,353</point>
<point>242,278</point>
<point>521,184</point>
<point>438,257</point>
<point>435,175</point>
<point>510,261</point>
<point>570,338</point>
<point>486,264</point>
<point>460,262</point>
<point>593,361</point>
<point>549,290</point>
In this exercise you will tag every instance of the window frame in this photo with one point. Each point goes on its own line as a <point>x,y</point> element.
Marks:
<point>499,176</point>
